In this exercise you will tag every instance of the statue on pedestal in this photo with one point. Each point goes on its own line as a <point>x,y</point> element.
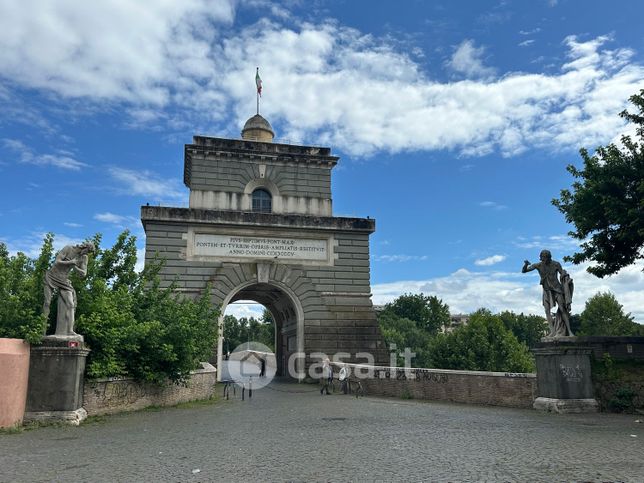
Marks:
<point>71,257</point>
<point>557,290</point>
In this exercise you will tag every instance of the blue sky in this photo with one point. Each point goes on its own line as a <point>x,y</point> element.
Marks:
<point>454,122</point>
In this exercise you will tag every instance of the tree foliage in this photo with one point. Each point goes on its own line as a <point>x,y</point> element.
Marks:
<point>528,329</point>
<point>411,321</point>
<point>484,344</point>
<point>238,331</point>
<point>427,311</point>
<point>604,315</point>
<point>606,204</point>
<point>133,326</point>
<point>400,332</point>
<point>21,293</point>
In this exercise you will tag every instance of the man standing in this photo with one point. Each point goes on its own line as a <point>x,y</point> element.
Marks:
<point>557,290</point>
<point>327,375</point>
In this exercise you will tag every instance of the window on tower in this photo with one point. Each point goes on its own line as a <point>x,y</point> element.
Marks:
<point>262,201</point>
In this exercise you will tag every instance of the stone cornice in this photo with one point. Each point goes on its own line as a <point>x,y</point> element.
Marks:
<point>246,150</point>
<point>191,216</point>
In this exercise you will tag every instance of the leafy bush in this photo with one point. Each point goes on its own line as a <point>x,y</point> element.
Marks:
<point>484,344</point>
<point>21,293</point>
<point>134,326</point>
<point>623,399</point>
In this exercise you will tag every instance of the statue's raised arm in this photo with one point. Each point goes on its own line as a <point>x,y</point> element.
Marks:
<point>527,267</point>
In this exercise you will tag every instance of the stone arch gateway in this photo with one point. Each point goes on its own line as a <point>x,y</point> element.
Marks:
<point>308,267</point>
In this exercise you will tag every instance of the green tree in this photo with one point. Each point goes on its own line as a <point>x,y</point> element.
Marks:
<point>133,326</point>
<point>21,293</point>
<point>606,205</point>
<point>428,312</point>
<point>604,315</point>
<point>528,329</point>
<point>238,331</point>
<point>484,344</point>
<point>403,332</point>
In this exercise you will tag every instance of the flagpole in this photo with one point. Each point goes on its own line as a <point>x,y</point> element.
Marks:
<point>258,103</point>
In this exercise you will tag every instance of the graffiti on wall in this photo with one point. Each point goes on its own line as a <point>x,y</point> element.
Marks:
<point>406,374</point>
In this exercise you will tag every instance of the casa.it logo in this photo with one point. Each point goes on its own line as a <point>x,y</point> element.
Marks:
<point>252,364</point>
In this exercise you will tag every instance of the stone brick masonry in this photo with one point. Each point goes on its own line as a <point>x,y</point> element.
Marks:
<point>109,396</point>
<point>470,387</point>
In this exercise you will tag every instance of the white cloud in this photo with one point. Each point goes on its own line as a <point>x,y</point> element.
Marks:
<point>468,60</point>
<point>486,262</point>
<point>526,43</point>
<point>27,155</point>
<point>31,244</point>
<point>400,258</point>
<point>323,82</point>
<point>109,49</point>
<point>146,184</point>
<point>118,220</point>
<point>465,291</point>
<point>72,224</point>
<point>140,260</point>
<point>530,32</point>
<point>493,205</point>
<point>245,308</point>
<point>552,242</point>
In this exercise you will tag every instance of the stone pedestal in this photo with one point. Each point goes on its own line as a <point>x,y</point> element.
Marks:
<point>564,384</point>
<point>56,375</point>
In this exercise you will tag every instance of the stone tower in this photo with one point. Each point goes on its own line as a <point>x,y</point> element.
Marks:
<point>260,227</point>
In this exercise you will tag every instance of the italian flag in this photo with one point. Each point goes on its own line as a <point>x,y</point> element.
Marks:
<point>258,82</point>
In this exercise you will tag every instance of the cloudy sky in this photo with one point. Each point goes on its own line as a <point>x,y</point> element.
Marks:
<point>454,122</point>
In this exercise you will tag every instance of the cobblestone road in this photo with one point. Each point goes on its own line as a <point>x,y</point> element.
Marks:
<point>289,432</point>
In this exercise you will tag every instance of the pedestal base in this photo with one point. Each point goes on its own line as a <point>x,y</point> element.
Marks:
<point>56,376</point>
<point>73,418</point>
<point>565,406</point>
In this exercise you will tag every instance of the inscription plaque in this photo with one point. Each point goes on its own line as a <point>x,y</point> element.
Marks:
<point>258,247</point>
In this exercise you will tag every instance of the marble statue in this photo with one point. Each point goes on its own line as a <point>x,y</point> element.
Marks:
<point>557,291</point>
<point>71,257</point>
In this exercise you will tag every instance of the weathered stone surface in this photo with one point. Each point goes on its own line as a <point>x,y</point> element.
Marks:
<point>566,406</point>
<point>564,373</point>
<point>56,376</point>
<point>265,257</point>
<point>108,396</point>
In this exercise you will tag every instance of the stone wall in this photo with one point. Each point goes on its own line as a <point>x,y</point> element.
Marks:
<point>222,173</point>
<point>469,387</point>
<point>618,348</point>
<point>334,295</point>
<point>108,396</point>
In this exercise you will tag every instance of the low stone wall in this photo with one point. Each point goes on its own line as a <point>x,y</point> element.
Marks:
<point>108,396</point>
<point>619,348</point>
<point>470,387</point>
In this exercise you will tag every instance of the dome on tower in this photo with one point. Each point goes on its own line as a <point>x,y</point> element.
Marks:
<point>258,129</point>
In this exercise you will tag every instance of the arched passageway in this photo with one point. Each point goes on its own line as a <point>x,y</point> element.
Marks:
<point>287,318</point>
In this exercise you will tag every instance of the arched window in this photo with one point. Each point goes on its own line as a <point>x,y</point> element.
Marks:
<point>262,201</point>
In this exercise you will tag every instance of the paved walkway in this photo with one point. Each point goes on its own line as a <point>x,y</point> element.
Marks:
<point>289,432</point>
